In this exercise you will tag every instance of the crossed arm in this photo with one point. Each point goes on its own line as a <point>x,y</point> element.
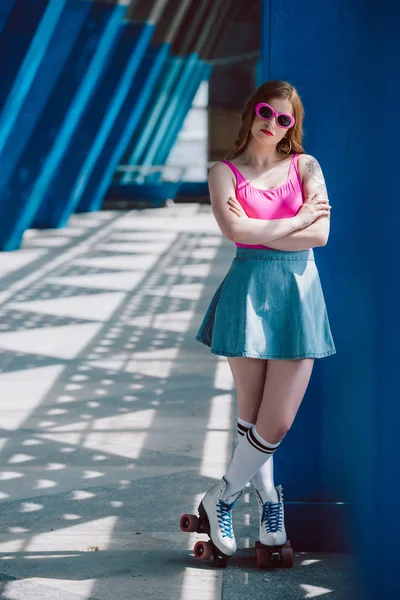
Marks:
<point>317,233</point>
<point>280,234</point>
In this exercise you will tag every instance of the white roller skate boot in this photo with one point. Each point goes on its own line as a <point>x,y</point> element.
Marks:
<point>271,515</point>
<point>218,515</point>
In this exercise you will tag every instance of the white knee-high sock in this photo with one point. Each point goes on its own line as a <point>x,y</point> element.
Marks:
<point>250,454</point>
<point>264,478</point>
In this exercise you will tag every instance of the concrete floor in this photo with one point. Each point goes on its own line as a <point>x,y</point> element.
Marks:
<point>115,421</point>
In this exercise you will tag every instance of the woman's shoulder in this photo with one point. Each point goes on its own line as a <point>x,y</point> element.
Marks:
<point>219,165</point>
<point>304,158</point>
<point>220,170</point>
<point>226,163</point>
<point>306,162</point>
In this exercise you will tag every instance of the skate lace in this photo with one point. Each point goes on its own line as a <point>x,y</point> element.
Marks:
<point>272,515</point>
<point>224,517</point>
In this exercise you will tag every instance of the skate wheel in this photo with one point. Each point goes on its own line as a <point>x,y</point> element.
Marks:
<point>262,559</point>
<point>220,562</point>
<point>203,550</point>
<point>267,556</point>
<point>287,557</point>
<point>189,523</point>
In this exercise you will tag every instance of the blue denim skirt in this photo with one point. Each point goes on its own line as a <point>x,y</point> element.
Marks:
<point>269,305</point>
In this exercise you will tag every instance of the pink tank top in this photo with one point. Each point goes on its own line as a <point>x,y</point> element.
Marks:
<point>277,203</point>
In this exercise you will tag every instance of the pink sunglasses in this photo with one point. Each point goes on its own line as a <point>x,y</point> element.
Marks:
<point>266,112</point>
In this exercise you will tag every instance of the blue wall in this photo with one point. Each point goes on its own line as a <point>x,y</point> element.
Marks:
<point>346,429</point>
<point>382,568</point>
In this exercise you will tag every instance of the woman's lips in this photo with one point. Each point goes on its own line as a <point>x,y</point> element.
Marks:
<point>266,132</point>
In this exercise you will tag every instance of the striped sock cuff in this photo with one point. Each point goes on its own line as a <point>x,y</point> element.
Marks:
<point>243,426</point>
<point>259,443</point>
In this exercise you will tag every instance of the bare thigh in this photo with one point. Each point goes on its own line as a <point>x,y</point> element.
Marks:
<point>249,377</point>
<point>285,385</point>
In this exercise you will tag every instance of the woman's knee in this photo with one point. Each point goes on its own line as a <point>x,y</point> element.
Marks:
<point>285,385</point>
<point>273,432</point>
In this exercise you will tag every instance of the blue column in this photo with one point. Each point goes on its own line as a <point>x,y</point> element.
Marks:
<point>54,127</point>
<point>16,38</point>
<point>29,68</point>
<point>329,455</point>
<point>171,108</point>
<point>19,117</point>
<point>200,72</point>
<point>72,120</point>
<point>382,507</point>
<point>128,119</point>
<point>158,105</point>
<point>64,191</point>
<point>6,7</point>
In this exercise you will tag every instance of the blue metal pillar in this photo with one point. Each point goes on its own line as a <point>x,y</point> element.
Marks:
<point>29,68</point>
<point>63,193</point>
<point>54,127</point>
<point>128,119</point>
<point>308,463</point>
<point>172,107</point>
<point>6,7</point>
<point>381,210</point>
<point>19,117</point>
<point>158,106</point>
<point>334,449</point>
<point>17,39</point>
<point>201,72</point>
<point>104,51</point>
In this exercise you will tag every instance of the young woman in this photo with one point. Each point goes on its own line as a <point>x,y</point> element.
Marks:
<point>268,316</point>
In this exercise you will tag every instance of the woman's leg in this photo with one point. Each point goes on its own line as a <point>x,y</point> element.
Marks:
<point>249,377</point>
<point>264,478</point>
<point>285,385</point>
<point>282,395</point>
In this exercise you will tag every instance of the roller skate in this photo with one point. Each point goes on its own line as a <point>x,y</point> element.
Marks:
<point>215,519</point>
<point>273,548</point>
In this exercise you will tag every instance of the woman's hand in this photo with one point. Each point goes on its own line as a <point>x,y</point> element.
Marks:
<point>236,208</point>
<point>314,206</point>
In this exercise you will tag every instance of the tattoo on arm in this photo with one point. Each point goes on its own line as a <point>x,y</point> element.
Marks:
<point>317,176</point>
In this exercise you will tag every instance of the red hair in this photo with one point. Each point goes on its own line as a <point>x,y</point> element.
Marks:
<point>265,93</point>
